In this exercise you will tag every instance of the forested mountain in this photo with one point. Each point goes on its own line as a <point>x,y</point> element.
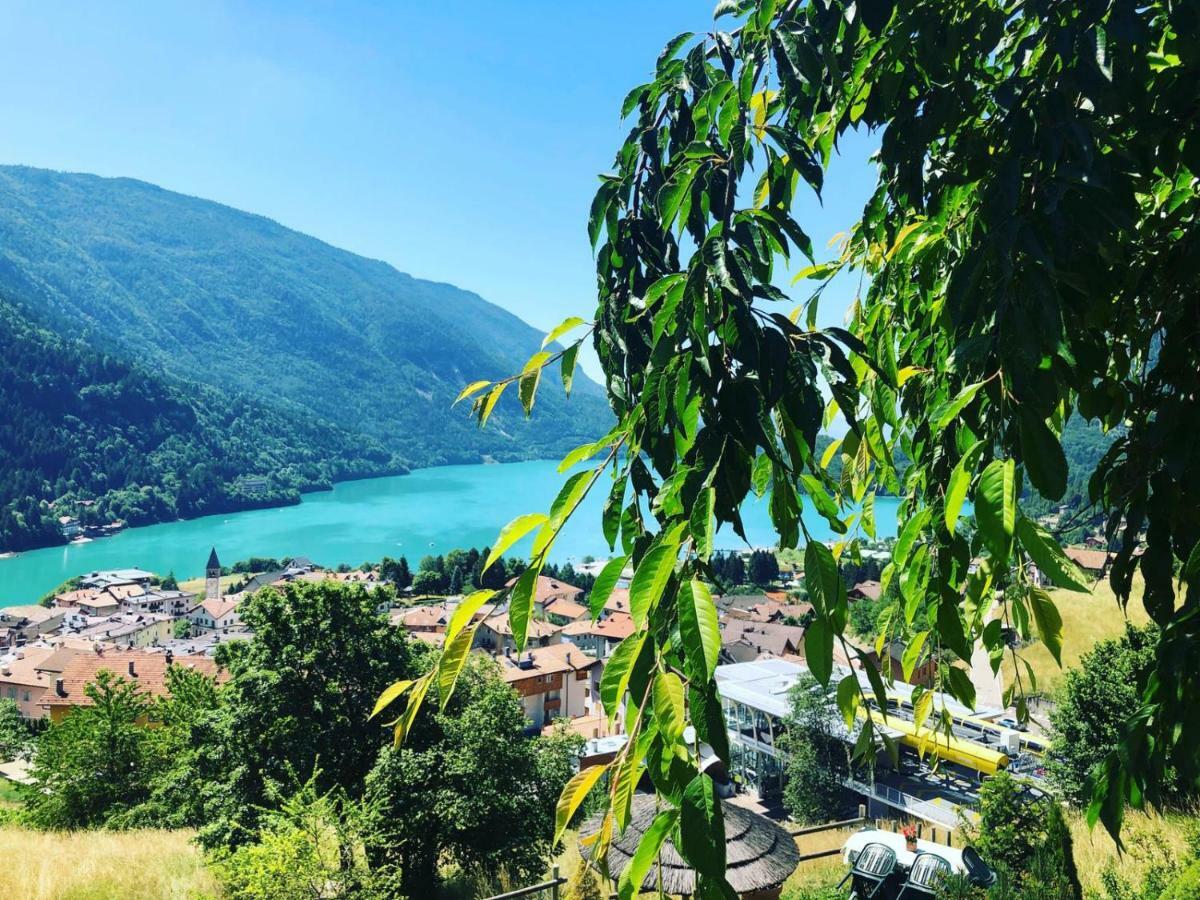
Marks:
<point>211,294</point>
<point>157,349</point>
<point>76,424</point>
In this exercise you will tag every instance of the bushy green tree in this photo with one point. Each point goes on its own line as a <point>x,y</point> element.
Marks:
<point>1012,822</point>
<point>299,697</point>
<point>310,845</point>
<point>1092,706</point>
<point>16,737</point>
<point>98,762</point>
<point>468,788</point>
<point>816,757</point>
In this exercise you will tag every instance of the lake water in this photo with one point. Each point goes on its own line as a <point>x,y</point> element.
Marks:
<point>429,511</point>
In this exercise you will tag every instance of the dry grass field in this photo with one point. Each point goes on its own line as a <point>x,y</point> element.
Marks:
<point>102,865</point>
<point>1087,618</point>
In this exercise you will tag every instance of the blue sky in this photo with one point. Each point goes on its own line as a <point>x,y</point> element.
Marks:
<point>459,142</point>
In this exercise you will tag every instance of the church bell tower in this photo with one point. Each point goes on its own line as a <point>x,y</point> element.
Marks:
<point>212,576</point>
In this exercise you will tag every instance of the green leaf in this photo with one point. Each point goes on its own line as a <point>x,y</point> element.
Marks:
<point>702,828</point>
<point>650,580</point>
<point>818,649</point>
<point>605,582</point>
<point>1048,621</point>
<point>1048,556</point>
<point>950,629</point>
<point>416,697</point>
<point>868,515</point>
<point>760,477</point>
<point>625,780</point>
<point>531,376</point>
<point>513,532</point>
<point>520,604</point>
<point>1043,456</point>
<point>702,523</point>
<point>471,389</point>
<point>466,609</point>
<point>908,535</point>
<point>670,198</point>
<point>960,685</point>
<point>389,696</point>
<point>996,506</point>
<point>648,847</point>
<point>493,397</point>
<point>573,794</point>
<point>820,575</point>
<point>700,629</point>
<point>578,455</point>
<point>959,484</point>
<point>668,705</point>
<point>912,653</point>
<point>614,681</point>
<point>454,657</point>
<point>568,367</point>
<point>848,699</point>
<point>922,704</point>
<point>569,497</point>
<point>949,410</point>
<point>567,324</point>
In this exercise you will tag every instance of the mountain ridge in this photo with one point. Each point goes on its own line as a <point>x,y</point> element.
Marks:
<point>219,309</point>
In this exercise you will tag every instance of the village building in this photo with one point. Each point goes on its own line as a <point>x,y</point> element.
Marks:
<point>865,590</point>
<point>22,682</point>
<point>147,670</point>
<point>548,590</point>
<point>599,638</point>
<point>617,603</point>
<point>1094,562</point>
<point>431,619</point>
<point>212,576</point>
<point>25,623</point>
<point>171,603</point>
<point>111,577</point>
<point>553,682</point>
<point>560,610</point>
<point>746,641</point>
<point>102,606</point>
<point>218,614</point>
<point>127,630</point>
<point>496,635</point>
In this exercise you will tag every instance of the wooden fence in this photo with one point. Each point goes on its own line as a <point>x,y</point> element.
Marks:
<point>552,886</point>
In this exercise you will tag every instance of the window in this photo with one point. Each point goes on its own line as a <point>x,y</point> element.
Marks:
<point>12,693</point>
<point>26,696</point>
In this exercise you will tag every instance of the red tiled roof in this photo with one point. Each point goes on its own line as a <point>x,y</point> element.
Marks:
<point>150,674</point>
<point>550,660</point>
<point>1093,560</point>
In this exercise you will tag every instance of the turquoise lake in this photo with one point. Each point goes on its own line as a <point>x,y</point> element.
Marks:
<point>429,511</point>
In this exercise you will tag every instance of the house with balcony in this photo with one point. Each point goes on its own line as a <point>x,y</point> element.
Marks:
<point>554,682</point>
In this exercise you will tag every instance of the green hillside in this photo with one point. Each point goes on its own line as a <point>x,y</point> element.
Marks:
<point>76,424</point>
<point>208,293</point>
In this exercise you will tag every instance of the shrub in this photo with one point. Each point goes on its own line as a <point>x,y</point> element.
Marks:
<point>1186,886</point>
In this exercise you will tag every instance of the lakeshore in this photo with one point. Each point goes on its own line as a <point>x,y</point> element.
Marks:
<point>428,511</point>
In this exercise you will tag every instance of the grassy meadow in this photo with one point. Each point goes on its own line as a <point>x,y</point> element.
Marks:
<point>103,865</point>
<point>1087,619</point>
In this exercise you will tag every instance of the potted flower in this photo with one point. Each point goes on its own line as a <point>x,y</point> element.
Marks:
<point>910,837</point>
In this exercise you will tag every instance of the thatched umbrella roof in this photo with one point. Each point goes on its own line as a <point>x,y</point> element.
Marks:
<point>759,853</point>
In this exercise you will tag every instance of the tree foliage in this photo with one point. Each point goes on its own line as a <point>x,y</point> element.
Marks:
<point>1027,255</point>
<point>1091,706</point>
<point>298,699</point>
<point>816,756</point>
<point>468,789</point>
<point>96,764</point>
